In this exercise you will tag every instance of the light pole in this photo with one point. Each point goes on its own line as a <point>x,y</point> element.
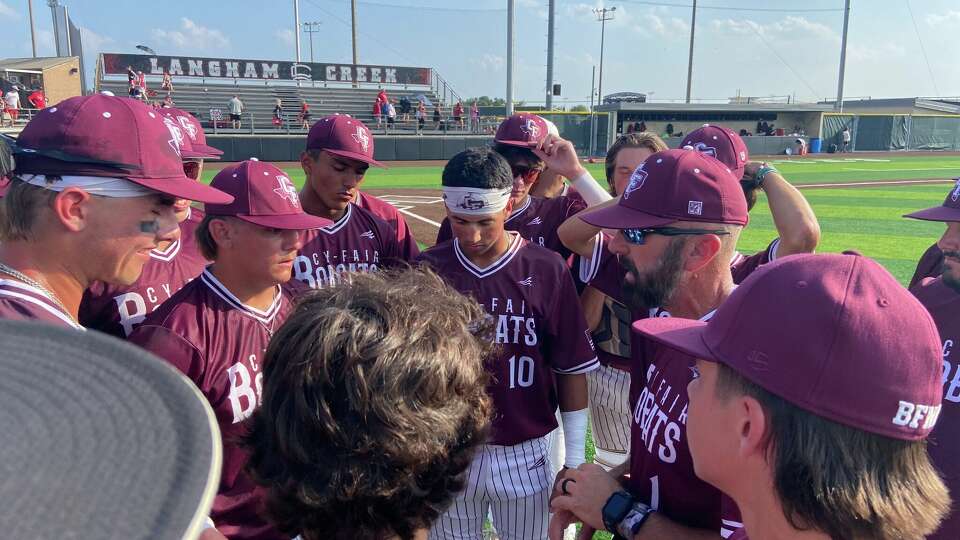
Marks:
<point>311,28</point>
<point>603,15</point>
<point>693,27</point>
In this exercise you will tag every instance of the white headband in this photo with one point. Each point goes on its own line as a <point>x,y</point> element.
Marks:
<point>94,185</point>
<point>476,201</point>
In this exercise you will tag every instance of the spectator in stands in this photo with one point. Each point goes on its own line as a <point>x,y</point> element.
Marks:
<point>376,112</point>
<point>421,116</point>
<point>382,96</point>
<point>167,102</point>
<point>642,127</point>
<point>405,107</point>
<point>436,117</point>
<point>167,83</point>
<point>278,114</point>
<point>304,114</point>
<point>629,129</point>
<point>142,83</point>
<point>458,114</point>
<point>475,117</point>
<point>385,110</point>
<point>236,109</point>
<point>391,114</point>
<point>131,76</point>
<point>37,99</point>
<point>11,103</point>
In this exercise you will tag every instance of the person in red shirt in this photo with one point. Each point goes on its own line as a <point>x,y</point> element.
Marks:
<point>217,327</point>
<point>92,194</point>
<point>37,99</point>
<point>458,113</point>
<point>804,409</point>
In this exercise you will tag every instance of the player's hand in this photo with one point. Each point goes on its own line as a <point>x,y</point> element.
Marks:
<point>751,168</point>
<point>586,533</point>
<point>586,494</point>
<point>557,483</point>
<point>211,534</point>
<point>559,521</point>
<point>559,155</point>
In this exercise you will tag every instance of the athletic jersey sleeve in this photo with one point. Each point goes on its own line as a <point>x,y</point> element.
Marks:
<point>731,524</point>
<point>409,250</point>
<point>173,348</point>
<point>570,348</point>
<point>742,266</point>
<point>446,233</point>
<point>929,265</point>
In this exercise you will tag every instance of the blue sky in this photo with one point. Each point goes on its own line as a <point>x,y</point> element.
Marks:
<point>750,51</point>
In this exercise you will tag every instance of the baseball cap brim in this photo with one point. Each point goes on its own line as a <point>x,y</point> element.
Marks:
<point>522,144</point>
<point>297,222</point>
<point>355,155</point>
<point>937,213</point>
<point>201,151</point>
<point>684,335</point>
<point>184,188</point>
<point>621,217</point>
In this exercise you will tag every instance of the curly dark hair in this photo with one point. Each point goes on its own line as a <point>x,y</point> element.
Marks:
<point>374,403</point>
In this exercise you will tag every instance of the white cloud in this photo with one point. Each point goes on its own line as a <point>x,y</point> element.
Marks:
<point>491,62</point>
<point>667,27</point>
<point>790,28</point>
<point>286,35</point>
<point>191,36</point>
<point>949,18</point>
<point>7,11</point>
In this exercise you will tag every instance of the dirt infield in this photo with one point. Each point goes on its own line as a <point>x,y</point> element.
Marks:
<point>422,208</point>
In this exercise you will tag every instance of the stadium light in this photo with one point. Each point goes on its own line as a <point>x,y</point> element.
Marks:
<point>311,28</point>
<point>147,50</point>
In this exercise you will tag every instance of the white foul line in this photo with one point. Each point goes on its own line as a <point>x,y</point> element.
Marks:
<point>421,218</point>
<point>880,183</point>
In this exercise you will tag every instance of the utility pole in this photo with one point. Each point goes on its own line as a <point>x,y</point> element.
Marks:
<point>33,33</point>
<point>843,56</point>
<point>311,28</point>
<point>693,27</point>
<point>593,114</point>
<point>603,15</point>
<point>511,13</point>
<point>353,24</point>
<point>550,25</point>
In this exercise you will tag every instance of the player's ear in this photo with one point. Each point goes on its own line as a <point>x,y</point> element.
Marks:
<point>222,232</point>
<point>752,424</point>
<point>703,249</point>
<point>72,208</point>
<point>306,163</point>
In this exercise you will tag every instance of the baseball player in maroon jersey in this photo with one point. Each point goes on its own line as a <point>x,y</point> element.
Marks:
<point>811,417</point>
<point>330,445</point>
<point>941,296</point>
<point>92,195</point>
<point>678,222</point>
<point>540,332</point>
<point>216,328</point>
<point>117,309</point>
<point>929,265</point>
<point>534,218</point>
<point>339,152</point>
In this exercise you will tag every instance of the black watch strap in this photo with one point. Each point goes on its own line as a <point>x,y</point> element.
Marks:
<point>616,508</point>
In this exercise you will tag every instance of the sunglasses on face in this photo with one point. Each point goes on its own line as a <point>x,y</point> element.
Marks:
<point>523,170</point>
<point>639,236</point>
<point>192,169</point>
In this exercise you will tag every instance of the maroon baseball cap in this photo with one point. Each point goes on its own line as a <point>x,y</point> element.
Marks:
<point>113,137</point>
<point>721,143</point>
<point>948,211</point>
<point>195,140</point>
<point>523,129</point>
<point>833,334</point>
<point>675,185</point>
<point>343,135</point>
<point>262,195</point>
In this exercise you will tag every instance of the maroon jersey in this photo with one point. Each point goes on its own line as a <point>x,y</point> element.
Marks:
<point>929,265</point>
<point>539,328</point>
<point>943,303</point>
<point>218,342</point>
<point>537,220</point>
<point>389,213</point>
<point>21,302</point>
<point>118,309</point>
<point>661,468</point>
<point>357,242</point>
<point>743,265</point>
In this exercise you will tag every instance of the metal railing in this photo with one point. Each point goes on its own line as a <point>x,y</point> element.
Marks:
<point>252,123</point>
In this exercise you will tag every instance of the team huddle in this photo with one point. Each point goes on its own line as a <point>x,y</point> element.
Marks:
<point>364,389</point>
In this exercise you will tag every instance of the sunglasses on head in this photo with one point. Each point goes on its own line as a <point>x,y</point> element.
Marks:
<point>638,236</point>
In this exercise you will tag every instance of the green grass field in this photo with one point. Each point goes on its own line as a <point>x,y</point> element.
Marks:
<point>867,219</point>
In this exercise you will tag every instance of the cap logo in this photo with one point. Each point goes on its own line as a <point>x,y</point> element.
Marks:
<point>286,190</point>
<point>469,202</point>
<point>910,415</point>
<point>531,129</point>
<point>637,179</point>
<point>362,138</point>
<point>177,141</point>
<point>956,191</point>
<point>704,149</point>
<point>743,155</point>
<point>188,127</point>
<point>695,208</point>
<point>758,361</point>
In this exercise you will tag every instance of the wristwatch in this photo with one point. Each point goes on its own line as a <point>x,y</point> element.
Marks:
<point>631,523</point>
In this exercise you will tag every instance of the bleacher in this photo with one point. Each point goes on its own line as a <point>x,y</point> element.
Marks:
<point>259,100</point>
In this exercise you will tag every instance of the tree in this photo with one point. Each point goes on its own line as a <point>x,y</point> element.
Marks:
<point>579,108</point>
<point>486,101</point>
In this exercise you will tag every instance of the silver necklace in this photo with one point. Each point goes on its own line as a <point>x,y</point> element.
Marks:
<point>13,272</point>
